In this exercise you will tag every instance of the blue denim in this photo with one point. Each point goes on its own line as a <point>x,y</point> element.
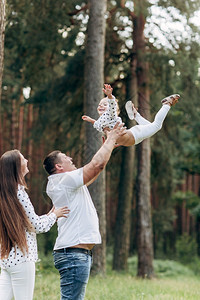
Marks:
<point>74,268</point>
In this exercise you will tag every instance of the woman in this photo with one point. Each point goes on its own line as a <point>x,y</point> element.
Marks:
<point>18,227</point>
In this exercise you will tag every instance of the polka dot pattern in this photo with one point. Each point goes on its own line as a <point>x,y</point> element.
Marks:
<point>109,118</point>
<point>40,224</point>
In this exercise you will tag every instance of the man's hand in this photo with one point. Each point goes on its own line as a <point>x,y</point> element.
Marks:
<point>116,132</point>
<point>100,159</point>
<point>104,139</point>
<point>108,90</point>
<point>88,119</point>
<point>119,129</point>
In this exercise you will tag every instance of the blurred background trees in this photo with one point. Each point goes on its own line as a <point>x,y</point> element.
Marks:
<point>151,50</point>
<point>2,36</point>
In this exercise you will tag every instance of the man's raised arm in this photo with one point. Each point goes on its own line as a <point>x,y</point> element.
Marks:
<point>100,159</point>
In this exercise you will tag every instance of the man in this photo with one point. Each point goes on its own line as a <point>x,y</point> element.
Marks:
<point>77,234</point>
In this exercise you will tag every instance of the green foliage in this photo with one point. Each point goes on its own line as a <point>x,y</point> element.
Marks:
<point>194,265</point>
<point>186,248</point>
<point>41,51</point>
<point>196,211</point>
<point>191,199</point>
<point>46,241</point>
<point>65,118</point>
<point>45,264</point>
<point>162,268</point>
<point>163,219</point>
<point>169,268</point>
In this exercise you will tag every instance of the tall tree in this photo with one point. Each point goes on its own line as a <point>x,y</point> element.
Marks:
<point>143,185</point>
<point>2,35</point>
<point>126,184</point>
<point>138,93</point>
<point>94,79</point>
<point>51,62</point>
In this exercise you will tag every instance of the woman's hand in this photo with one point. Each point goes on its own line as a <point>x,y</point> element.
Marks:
<point>60,212</point>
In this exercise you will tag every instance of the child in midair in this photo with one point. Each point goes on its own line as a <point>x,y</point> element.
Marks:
<point>108,111</point>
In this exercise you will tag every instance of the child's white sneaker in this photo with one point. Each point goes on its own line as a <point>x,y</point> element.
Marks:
<point>131,110</point>
<point>171,100</point>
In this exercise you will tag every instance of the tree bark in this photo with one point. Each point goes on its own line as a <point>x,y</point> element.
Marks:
<point>123,219</point>
<point>94,79</point>
<point>21,121</point>
<point>143,207</point>
<point>2,35</point>
<point>29,128</point>
<point>14,125</point>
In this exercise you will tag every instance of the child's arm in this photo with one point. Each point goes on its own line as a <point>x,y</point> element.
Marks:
<point>108,90</point>
<point>88,119</point>
<point>111,100</point>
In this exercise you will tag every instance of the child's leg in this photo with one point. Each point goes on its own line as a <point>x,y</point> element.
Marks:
<point>133,114</point>
<point>141,132</point>
<point>141,120</point>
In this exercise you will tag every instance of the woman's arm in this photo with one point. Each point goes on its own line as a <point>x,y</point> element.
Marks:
<point>40,223</point>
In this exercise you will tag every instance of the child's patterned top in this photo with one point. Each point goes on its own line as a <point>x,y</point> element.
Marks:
<point>109,118</point>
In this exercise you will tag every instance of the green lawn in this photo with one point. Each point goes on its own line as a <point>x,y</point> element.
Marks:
<point>123,287</point>
<point>173,282</point>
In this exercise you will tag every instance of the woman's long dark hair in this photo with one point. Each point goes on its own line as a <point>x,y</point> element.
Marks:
<point>13,219</point>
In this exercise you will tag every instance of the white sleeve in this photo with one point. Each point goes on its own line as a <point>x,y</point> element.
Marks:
<point>63,187</point>
<point>73,179</point>
<point>40,223</point>
<point>98,124</point>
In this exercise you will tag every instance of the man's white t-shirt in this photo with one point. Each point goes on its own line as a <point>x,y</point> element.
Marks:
<point>82,224</point>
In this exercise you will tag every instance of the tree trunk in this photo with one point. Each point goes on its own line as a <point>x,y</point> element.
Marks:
<point>94,79</point>
<point>21,121</point>
<point>14,125</point>
<point>123,219</point>
<point>144,222</point>
<point>2,35</point>
<point>29,145</point>
<point>28,134</point>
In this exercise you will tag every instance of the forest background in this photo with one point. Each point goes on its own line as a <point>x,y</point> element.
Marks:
<point>57,55</point>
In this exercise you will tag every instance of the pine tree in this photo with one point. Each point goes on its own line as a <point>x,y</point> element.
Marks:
<point>2,34</point>
<point>94,79</point>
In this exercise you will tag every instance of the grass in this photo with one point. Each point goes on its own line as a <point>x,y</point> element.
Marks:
<point>127,287</point>
<point>173,282</point>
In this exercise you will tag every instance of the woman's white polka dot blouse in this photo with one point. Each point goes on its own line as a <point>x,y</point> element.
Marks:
<point>40,223</point>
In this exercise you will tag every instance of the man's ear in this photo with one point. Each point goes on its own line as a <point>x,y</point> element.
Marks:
<point>58,167</point>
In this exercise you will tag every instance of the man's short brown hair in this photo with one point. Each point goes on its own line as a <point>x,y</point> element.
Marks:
<point>50,161</point>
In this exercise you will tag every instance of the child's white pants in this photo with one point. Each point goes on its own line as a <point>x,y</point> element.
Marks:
<point>18,282</point>
<point>147,129</point>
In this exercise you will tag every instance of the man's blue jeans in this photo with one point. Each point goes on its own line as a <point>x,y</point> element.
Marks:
<point>74,267</point>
